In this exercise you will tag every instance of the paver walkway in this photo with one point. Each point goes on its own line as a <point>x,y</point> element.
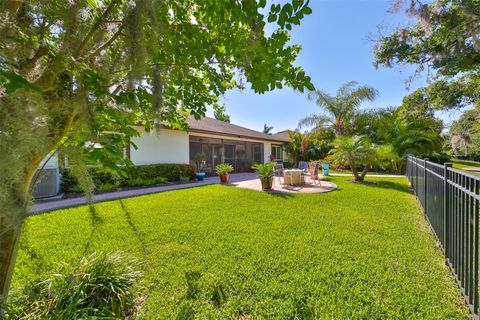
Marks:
<point>42,206</point>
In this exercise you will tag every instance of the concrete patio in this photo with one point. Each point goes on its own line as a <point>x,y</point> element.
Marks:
<point>279,187</point>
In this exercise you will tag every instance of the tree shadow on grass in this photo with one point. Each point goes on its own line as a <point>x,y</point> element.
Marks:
<point>390,185</point>
<point>96,220</point>
<point>279,194</point>
<point>138,234</point>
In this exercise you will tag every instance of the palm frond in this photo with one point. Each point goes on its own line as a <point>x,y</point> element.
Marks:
<point>314,120</point>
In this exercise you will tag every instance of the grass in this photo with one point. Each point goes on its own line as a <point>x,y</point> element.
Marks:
<point>370,173</point>
<point>218,252</point>
<point>462,164</point>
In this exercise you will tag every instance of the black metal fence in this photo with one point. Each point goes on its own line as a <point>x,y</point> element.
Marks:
<point>450,201</point>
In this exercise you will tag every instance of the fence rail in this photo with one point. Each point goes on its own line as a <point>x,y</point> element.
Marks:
<point>450,200</point>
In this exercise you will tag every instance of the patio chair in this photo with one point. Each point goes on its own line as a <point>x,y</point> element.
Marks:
<point>315,177</point>
<point>278,172</point>
<point>302,165</point>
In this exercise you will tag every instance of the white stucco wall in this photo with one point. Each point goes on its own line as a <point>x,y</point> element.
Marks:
<point>267,151</point>
<point>162,146</point>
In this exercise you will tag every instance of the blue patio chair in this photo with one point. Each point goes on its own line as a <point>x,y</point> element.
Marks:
<point>303,165</point>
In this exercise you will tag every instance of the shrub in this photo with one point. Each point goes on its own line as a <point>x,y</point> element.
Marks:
<point>107,187</point>
<point>138,182</point>
<point>144,175</point>
<point>100,285</point>
<point>168,170</point>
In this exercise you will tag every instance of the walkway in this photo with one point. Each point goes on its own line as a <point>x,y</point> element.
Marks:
<point>368,175</point>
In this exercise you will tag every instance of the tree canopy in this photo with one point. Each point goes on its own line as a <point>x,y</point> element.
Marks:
<point>77,74</point>
<point>340,108</point>
<point>445,42</point>
<point>220,113</point>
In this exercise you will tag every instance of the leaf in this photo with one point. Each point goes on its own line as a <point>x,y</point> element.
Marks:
<point>12,81</point>
<point>272,18</point>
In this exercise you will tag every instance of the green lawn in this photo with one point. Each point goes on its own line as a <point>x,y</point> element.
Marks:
<point>460,164</point>
<point>218,252</point>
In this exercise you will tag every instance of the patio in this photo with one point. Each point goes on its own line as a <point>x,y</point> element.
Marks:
<point>308,187</point>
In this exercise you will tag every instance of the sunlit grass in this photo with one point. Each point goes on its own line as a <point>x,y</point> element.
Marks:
<point>218,252</point>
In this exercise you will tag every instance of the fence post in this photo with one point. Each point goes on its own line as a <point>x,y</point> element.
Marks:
<point>446,214</point>
<point>425,186</point>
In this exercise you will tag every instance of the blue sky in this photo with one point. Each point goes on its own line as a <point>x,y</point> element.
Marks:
<point>336,49</point>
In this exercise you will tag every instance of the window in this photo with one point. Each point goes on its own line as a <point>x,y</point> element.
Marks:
<point>277,152</point>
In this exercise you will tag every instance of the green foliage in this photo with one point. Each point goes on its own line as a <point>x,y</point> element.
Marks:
<point>464,135</point>
<point>223,168</point>
<point>359,151</point>
<point>144,175</point>
<point>220,113</point>
<point>100,285</point>
<point>340,108</point>
<point>408,129</point>
<point>267,129</point>
<point>309,146</point>
<point>76,75</point>
<point>443,40</point>
<point>139,182</point>
<point>219,252</point>
<point>264,170</point>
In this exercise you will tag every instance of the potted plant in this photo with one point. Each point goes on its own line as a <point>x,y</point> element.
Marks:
<point>266,174</point>
<point>200,160</point>
<point>223,170</point>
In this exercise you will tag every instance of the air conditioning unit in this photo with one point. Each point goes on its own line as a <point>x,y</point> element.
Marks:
<point>47,183</point>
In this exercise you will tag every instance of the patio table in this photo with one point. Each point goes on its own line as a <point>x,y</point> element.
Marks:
<point>294,177</point>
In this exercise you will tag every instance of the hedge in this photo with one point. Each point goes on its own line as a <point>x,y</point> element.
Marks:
<point>137,176</point>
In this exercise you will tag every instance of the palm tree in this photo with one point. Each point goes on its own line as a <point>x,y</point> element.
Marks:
<point>267,129</point>
<point>359,152</point>
<point>340,108</point>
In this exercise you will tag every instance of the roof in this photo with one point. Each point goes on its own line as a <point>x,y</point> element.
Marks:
<point>285,135</point>
<point>214,126</point>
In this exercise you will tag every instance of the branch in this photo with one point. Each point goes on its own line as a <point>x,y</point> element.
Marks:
<point>94,28</point>
<point>108,43</point>
<point>211,62</point>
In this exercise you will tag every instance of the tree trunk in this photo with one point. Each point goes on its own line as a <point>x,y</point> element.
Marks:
<point>12,213</point>
<point>364,173</point>
<point>354,170</point>
<point>9,238</point>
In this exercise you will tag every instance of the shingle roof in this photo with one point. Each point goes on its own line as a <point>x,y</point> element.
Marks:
<point>214,126</point>
<point>285,135</point>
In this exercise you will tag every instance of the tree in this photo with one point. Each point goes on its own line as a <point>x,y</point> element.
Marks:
<point>72,70</point>
<point>267,129</point>
<point>219,113</point>
<point>407,131</point>
<point>464,135</point>
<point>445,41</point>
<point>309,146</point>
<point>358,151</point>
<point>340,108</point>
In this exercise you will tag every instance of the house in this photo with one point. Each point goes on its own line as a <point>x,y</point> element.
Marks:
<point>218,141</point>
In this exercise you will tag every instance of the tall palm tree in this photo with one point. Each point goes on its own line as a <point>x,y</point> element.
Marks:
<point>340,108</point>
